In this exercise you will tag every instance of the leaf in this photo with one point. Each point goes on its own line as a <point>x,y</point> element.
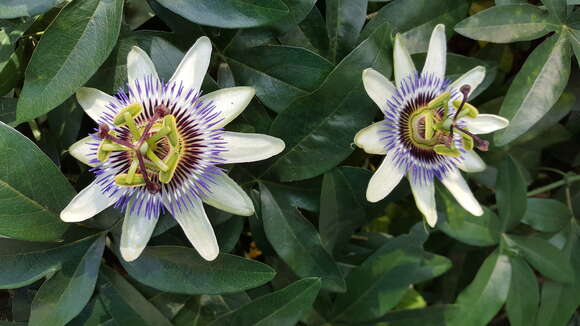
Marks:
<point>486,294</point>
<point>506,24</point>
<point>281,308</point>
<point>310,34</point>
<point>229,232</point>
<point>19,8</point>
<point>65,123</point>
<point>7,110</point>
<point>229,13</point>
<point>26,262</point>
<point>459,224</point>
<point>546,215</point>
<point>281,74</point>
<point>382,280</point>
<point>416,19</point>
<point>60,65</point>
<point>94,314</point>
<point>344,21</point>
<point>558,8</point>
<point>536,87</point>
<point>182,270</point>
<point>524,295</point>
<point>342,109</point>
<point>558,300</point>
<point>296,241</point>
<point>65,294</point>
<point>124,303</point>
<point>511,194</point>
<point>32,190</point>
<point>575,41</point>
<point>436,315</point>
<point>299,9</point>
<point>343,205</point>
<point>544,257</point>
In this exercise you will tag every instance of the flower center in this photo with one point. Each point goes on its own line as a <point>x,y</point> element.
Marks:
<point>153,146</point>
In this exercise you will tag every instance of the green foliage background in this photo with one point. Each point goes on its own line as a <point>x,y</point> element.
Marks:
<point>315,253</point>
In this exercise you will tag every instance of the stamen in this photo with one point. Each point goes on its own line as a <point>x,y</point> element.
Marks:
<point>481,144</point>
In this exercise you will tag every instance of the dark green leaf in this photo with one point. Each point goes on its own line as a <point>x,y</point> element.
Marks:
<point>10,74</point>
<point>229,13</point>
<point>19,8</point>
<point>281,74</point>
<point>7,110</point>
<point>228,233</point>
<point>32,190</point>
<point>295,239</point>
<point>94,314</point>
<point>459,224</point>
<point>342,109</point>
<point>310,34</point>
<point>344,21</point>
<point>416,19</point>
<point>26,262</point>
<point>547,259</point>
<point>575,41</point>
<point>431,316</point>
<point>536,87</point>
<point>382,280</point>
<point>558,8</point>
<point>65,123</point>
<point>558,300</point>
<point>65,294</point>
<point>281,308</point>
<point>125,304</point>
<point>505,24</point>
<point>182,270</point>
<point>299,9</point>
<point>486,294</point>
<point>546,215</point>
<point>60,65</point>
<point>524,294</point>
<point>511,194</point>
<point>342,205</point>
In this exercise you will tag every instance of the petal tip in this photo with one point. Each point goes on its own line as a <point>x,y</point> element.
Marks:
<point>209,254</point>
<point>130,254</point>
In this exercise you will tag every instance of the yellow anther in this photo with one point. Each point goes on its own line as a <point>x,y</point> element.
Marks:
<point>131,124</point>
<point>447,151</point>
<point>429,125</point>
<point>169,122</point>
<point>112,147</point>
<point>440,101</point>
<point>132,170</point>
<point>157,161</point>
<point>135,181</point>
<point>468,109</point>
<point>158,135</point>
<point>133,109</point>
<point>172,160</point>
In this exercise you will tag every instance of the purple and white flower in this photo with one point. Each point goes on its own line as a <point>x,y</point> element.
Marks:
<point>429,130</point>
<point>158,148</point>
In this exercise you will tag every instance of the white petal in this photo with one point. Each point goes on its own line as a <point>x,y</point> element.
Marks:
<point>437,53</point>
<point>194,64</point>
<point>230,102</point>
<point>198,229</point>
<point>94,102</point>
<point>245,147</point>
<point>485,123</point>
<point>379,88</point>
<point>460,190</point>
<point>404,66</point>
<point>473,78</point>
<point>384,180</point>
<point>228,196</point>
<point>137,230</point>
<point>369,139</point>
<point>86,204</point>
<point>472,162</point>
<point>82,150</point>
<point>425,200</point>
<point>139,65</point>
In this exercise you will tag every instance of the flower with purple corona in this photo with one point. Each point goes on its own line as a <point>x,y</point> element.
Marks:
<point>429,130</point>
<point>158,148</point>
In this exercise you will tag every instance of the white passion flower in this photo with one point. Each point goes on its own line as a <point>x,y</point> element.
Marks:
<point>158,147</point>
<point>429,130</point>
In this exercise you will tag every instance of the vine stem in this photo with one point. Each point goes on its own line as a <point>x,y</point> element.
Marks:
<point>554,185</point>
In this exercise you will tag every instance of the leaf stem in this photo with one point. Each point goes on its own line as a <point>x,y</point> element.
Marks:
<point>554,185</point>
